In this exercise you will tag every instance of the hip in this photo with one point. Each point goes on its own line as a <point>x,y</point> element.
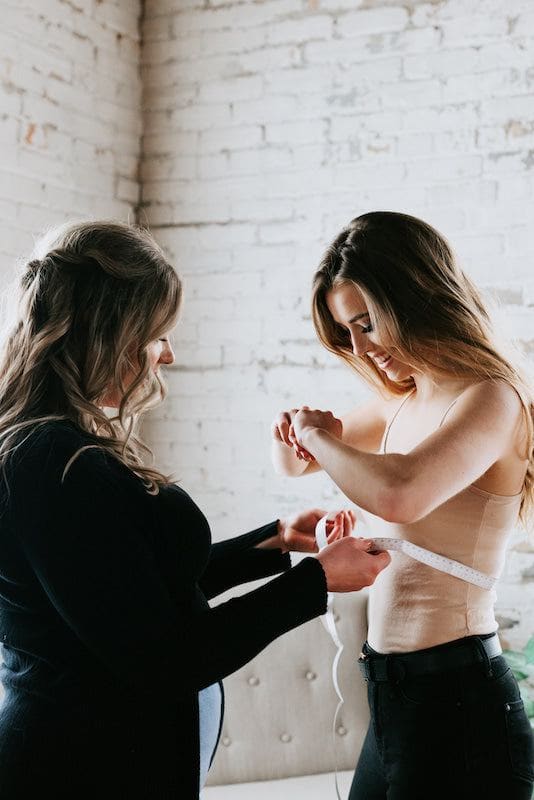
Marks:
<point>472,714</point>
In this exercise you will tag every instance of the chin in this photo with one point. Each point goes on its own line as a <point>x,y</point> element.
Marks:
<point>398,372</point>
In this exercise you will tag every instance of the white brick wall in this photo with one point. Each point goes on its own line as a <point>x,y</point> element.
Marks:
<point>267,126</point>
<point>70,115</point>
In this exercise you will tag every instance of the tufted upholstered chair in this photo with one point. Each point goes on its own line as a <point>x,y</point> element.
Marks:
<point>277,738</point>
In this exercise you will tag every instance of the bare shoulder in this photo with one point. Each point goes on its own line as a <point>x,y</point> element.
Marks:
<point>496,405</point>
<point>493,397</point>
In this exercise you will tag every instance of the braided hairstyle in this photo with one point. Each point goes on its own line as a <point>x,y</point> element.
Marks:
<point>87,310</point>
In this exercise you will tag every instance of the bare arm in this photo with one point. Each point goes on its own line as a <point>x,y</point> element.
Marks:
<point>405,488</point>
<point>363,428</point>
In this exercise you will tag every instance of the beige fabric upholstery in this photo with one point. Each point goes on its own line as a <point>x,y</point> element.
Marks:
<point>280,707</point>
<point>306,787</point>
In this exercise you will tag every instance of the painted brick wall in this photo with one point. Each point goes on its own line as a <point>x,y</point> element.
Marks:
<point>70,124</point>
<point>267,126</point>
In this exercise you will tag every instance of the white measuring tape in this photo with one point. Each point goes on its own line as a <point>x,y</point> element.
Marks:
<point>330,625</point>
<point>431,559</point>
<point>443,564</point>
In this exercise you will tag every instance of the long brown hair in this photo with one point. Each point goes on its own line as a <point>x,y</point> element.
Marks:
<point>425,309</point>
<point>99,293</point>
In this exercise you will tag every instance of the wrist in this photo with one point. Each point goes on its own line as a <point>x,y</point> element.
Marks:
<point>275,542</point>
<point>309,437</point>
<point>282,525</point>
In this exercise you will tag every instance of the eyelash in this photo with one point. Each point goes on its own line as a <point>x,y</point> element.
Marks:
<point>367,329</point>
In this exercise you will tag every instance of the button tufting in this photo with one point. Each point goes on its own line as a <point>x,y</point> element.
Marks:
<point>341,730</point>
<point>253,681</point>
<point>285,737</point>
<point>226,741</point>
<point>310,676</point>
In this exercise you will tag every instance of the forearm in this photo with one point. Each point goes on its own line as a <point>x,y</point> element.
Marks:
<point>285,460</point>
<point>230,634</point>
<point>373,482</point>
<point>244,558</point>
<point>248,566</point>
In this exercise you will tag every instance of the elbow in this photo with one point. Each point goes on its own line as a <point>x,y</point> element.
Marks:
<point>399,502</point>
<point>283,471</point>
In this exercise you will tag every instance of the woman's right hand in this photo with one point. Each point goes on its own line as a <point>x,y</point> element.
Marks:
<point>349,566</point>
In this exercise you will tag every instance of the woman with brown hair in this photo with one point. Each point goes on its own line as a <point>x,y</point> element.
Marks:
<point>442,457</point>
<point>112,657</point>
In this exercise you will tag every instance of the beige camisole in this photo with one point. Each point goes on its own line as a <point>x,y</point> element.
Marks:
<point>412,605</point>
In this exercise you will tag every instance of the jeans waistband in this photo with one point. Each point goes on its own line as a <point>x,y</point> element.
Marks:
<point>461,653</point>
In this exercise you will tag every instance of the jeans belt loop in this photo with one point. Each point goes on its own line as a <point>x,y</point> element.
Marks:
<point>363,665</point>
<point>485,657</point>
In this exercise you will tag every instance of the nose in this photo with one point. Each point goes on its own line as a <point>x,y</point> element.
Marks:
<point>167,354</point>
<point>359,343</point>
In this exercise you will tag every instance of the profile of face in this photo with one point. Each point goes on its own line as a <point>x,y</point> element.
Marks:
<point>348,308</point>
<point>159,352</point>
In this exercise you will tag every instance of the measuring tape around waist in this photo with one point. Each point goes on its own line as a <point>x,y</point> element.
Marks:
<point>441,563</point>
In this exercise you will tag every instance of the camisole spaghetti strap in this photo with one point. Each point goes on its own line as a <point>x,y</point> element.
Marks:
<point>395,415</point>
<point>392,420</point>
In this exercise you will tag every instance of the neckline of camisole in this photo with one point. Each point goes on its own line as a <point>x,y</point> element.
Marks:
<point>471,487</point>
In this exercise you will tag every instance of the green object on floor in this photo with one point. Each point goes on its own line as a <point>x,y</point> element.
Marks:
<point>522,665</point>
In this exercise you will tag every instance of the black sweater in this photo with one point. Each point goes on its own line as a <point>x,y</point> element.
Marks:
<point>106,629</point>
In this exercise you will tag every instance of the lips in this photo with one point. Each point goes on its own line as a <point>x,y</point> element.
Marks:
<point>382,362</point>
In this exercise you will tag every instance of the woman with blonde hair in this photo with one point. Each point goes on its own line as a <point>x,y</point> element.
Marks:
<point>112,657</point>
<point>441,457</point>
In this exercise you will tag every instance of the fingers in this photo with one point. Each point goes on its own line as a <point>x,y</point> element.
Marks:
<point>302,454</point>
<point>348,523</point>
<point>381,560</point>
<point>362,544</point>
<point>284,426</point>
<point>344,527</point>
<point>346,519</point>
<point>282,430</point>
<point>337,527</point>
<point>281,426</point>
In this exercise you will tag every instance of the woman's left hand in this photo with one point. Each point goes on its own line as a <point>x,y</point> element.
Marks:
<point>298,533</point>
<point>307,419</point>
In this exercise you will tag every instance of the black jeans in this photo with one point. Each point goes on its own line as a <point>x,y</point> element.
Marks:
<point>455,735</point>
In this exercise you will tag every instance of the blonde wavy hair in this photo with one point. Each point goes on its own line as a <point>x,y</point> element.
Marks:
<point>87,309</point>
<point>424,308</point>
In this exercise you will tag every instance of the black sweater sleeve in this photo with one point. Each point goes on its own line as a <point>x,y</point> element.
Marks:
<point>238,560</point>
<point>86,543</point>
